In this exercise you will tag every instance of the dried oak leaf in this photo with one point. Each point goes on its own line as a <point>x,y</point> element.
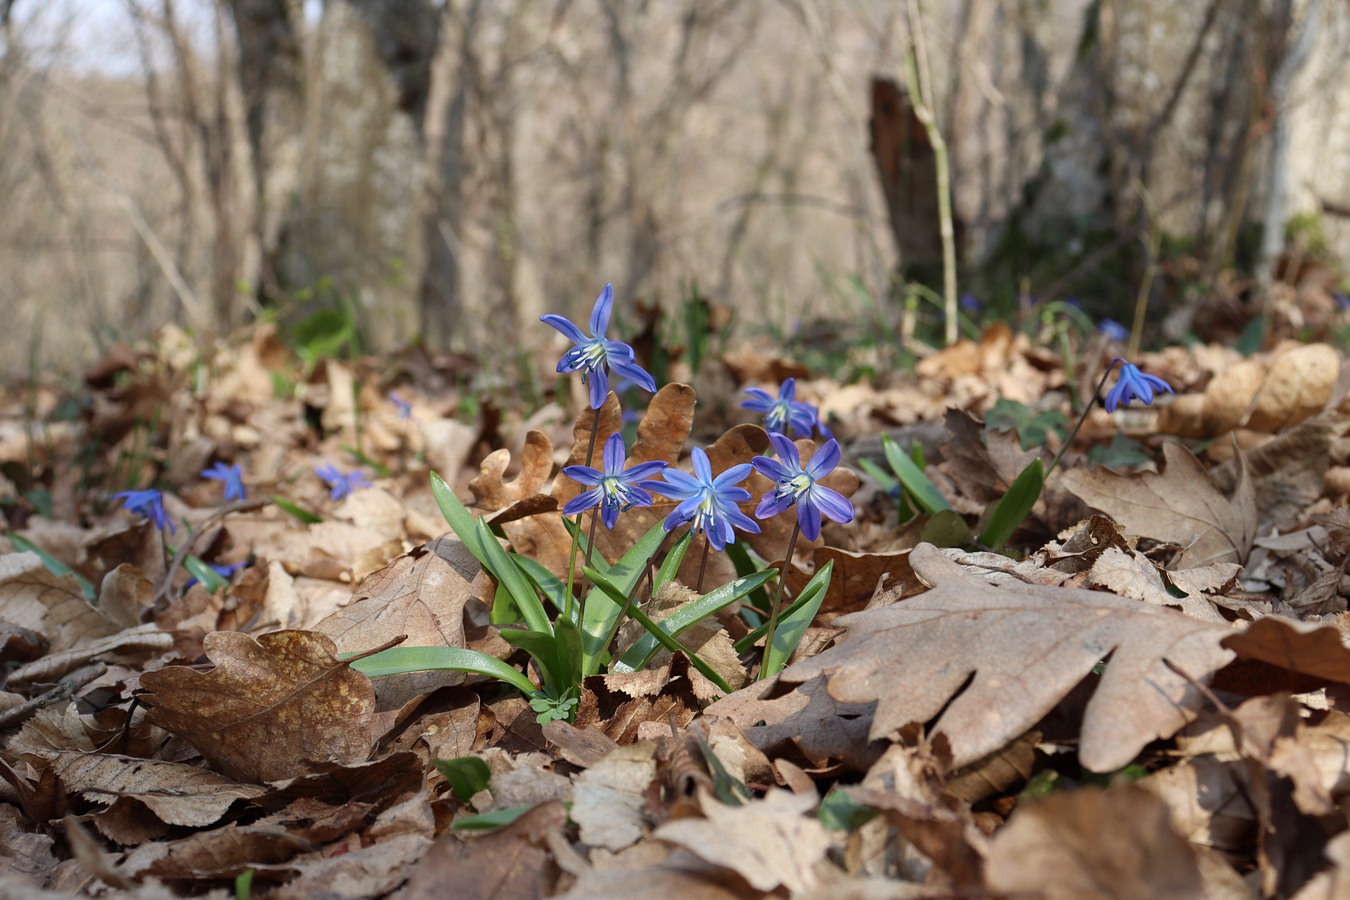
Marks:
<point>1180,505</point>
<point>50,605</point>
<point>661,436</point>
<point>768,842</point>
<point>175,793</point>
<point>422,595</point>
<point>1299,649</point>
<point>269,706</point>
<point>609,798</point>
<point>1027,647</point>
<point>512,863</point>
<point>806,724</point>
<point>1088,844</point>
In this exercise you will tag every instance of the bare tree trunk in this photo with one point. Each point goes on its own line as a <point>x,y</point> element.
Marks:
<point>272,77</point>
<point>441,303</point>
<point>1277,184</point>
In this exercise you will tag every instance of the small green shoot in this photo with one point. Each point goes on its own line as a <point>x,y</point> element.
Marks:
<point>466,775</point>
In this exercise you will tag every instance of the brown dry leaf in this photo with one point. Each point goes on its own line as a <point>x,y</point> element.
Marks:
<point>512,863</point>
<point>768,842</point>
<point>167,793</point>
<point>805,724</point>
<point>22,851</point>
<point>1207,802</point>
<point>706,638</point>
<point>855,579</point>
<point>1294,646</point>
<point>139,643</point>
<point>609,797</point>
<point>620,703</point>
<point>47,604</point>
<point>1334,881</point>
<point>1027,647</point>
<point>492,493</point>
<point>1089,843</point>
<point>1289,472</point>
<point>421,595</point>
<point>1315,759</point>
<point>582,747</point>
<point>982,467</point>
<point>1129,573</point>
<point>1181,506</point>
<point>268,706</point>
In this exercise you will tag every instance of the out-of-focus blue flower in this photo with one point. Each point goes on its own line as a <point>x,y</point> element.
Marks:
<point>795,484</point>
<point>969,303</point>
<point>231,475</point>
<point>596,356</point>
<point>1114,330</point>
<point>341,485</point>
<point>1342,300</point>
<point>403,406</point>
<point>614,489</point>
<point>225,572</point>
<point>783,411</point>
<point>709,503</point>
<point>1133,384</point>
<point>147,504</point>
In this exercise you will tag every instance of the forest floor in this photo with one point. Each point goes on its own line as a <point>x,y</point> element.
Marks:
<point>1140,690</point>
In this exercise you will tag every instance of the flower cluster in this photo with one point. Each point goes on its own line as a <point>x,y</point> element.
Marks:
<point>709,504</point>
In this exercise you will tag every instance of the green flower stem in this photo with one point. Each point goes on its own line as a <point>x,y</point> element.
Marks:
<point>782,584</point>
<point>572,562</point>
<point>1082,417</point>
<point>664,639</point>
<point>568,598</point>
<point>637,590</point>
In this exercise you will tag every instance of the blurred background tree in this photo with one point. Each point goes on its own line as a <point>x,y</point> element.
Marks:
<point>450,169</point>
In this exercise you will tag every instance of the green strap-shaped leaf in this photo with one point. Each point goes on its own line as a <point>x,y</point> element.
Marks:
<point>550,585</point>
<point>912,479</point>
<point>652,628</point>
<point>684,618</point>
<point>482,543</point>
<point>792,627</point>
<point>54,565</point>
<point>600,614</point>
<point>299,512</point>
<point>1015,506</point>
<point>671,565</point>
<point>401,660</point>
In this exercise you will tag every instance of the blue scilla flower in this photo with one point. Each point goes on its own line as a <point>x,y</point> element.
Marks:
<point>147,504</point>
<point>596,356</point>
<point>800,485</point>
<point>231,475</point>
<point>614,489</point>
<point>783,412</point>
<point>709,503</point>
<point>1133,384</point>
<point>341,486</point>
<point>1114,330</point>
<point>403,406</point>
